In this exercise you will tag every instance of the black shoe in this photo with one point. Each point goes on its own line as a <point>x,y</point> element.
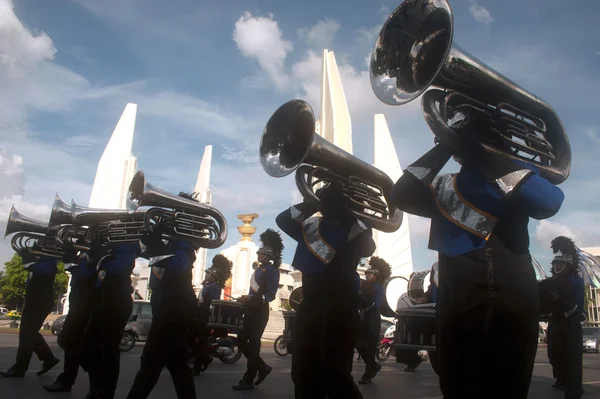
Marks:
<point>410,369</point>
<point>57,387</point>
<point>243,386</point>
<point>365,379</point>
<point>47,365</point>
<point>12,373</point>
<point>263,374</point>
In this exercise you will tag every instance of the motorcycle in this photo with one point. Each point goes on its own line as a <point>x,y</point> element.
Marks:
<point>384,348</point>
<point>280,346</point>
<point>224,347</point>
<point>130,336</point>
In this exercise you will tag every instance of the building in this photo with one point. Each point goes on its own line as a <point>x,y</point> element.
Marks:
<point>593,310</point>
<point>204,196</point>
<point>115,170</point>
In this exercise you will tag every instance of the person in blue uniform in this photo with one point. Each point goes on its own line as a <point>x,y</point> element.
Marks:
<point>81,305</point>
<point>39,300</point>
<point>213,284</point>
<point>372,297</point>
<point>263,288</point>
<point>330,247</point>
<point>488,303</point>
<point>562,295</point>
<point>113,304</point>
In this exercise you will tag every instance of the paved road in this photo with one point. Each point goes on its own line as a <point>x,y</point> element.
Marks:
<point>392,382</point>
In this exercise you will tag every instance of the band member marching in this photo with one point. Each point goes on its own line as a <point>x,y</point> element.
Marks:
<point>563,296</point>
<point>213,284</point>
<point>39,299</point>
<point>112,308</point>
<point>487,285</point>
<point>372,297</point>
<point>173,305</point>
<point>263,288</point>
<point>330,247</point>
<point>81,305</point>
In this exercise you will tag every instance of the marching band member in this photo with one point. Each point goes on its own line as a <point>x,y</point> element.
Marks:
<point>488,302</point>
<point>39,299</point>
<point>372,297</point>
<point>329,250</point>
<point>113,305</point>
<point>563,293</point>
<point>263,288</point>
<point>81,305</point>
<point>173,305</point>
<point>216,276</point>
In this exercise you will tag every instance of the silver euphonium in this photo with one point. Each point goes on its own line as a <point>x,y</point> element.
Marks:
<point>184,219</point>
<point>289,143</point>
<point>414,51</point>
<point>109,226</point>
<point>31,236</point>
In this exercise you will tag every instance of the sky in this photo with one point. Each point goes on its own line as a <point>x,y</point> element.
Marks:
<point>212,72</point>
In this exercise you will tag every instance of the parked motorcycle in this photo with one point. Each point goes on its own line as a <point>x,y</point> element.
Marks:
<point>384,349</point>
<point>130,336</point>
<point>223,347</point>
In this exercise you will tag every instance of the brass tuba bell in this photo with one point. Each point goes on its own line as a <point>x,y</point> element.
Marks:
<point>414,51</point>
<point>62,213</point>
<point>289,141</point>
<point>19,223</point>
<point>189,220</point>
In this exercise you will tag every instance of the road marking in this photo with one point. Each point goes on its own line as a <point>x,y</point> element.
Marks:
<point>592,382</point>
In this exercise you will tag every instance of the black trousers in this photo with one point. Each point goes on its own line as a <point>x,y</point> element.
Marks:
<point>370,326</point>
<point>201,333</point>
<point>325,335</point>
<point>255,321</point>
<point>165,347</point>
<point>30,339</point>
<point>69,339</point>
<point>567,355</point>
<point>101,356</point>
<point>410,357</point>
<point>552,357</point>
<point>488,324</point>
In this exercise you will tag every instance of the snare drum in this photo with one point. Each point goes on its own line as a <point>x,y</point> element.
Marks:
<point>415,328</point>
<point>290,320</point>
<point>418,284</point>
<point>226,314</point>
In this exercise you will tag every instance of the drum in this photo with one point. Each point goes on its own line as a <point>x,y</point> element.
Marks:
<point>394,288</point>
<point>295,298</point>
<point>415,328</point>
<point>418,284</point>
<point>290,319</point>
<point>226,314</point>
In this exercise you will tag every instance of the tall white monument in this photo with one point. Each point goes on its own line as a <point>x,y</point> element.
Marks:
<point>242,255</point>
<point>117,166</point>
<point>204,196</point>
<point>393,247</point>
<point>115,171</point>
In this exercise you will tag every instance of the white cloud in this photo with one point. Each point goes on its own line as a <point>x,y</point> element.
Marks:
<point>244,153</point>
<point>84,140</point>
<point>481,14</point>
<point>11,174</point>
<point>261,38</point>
<point>593,133</point>
<point>321,35</point>
<point>546,231</point>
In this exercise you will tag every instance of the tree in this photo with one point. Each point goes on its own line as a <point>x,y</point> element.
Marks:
<point>13,282</point>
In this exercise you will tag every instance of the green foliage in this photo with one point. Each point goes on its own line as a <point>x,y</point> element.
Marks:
<point>13,282</point>
<point>285,304</point>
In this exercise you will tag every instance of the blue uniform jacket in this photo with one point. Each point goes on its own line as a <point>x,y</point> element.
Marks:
<point>465,208</point>
<point>118,264</point>
<point>579,286</point>
<point>319,238</point>
<point>265,282</point>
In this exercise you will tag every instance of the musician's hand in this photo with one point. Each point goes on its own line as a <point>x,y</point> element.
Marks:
<point>244,299</point>
<point>420,300</point>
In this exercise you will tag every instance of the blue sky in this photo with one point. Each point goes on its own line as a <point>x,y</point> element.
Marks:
<point>204,73</point>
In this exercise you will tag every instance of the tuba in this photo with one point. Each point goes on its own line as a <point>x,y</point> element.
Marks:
<point>414,51</point>
<point>199,224</point>
<point>31,236</point>
<point>62,213</point>
<point>289,141</point>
